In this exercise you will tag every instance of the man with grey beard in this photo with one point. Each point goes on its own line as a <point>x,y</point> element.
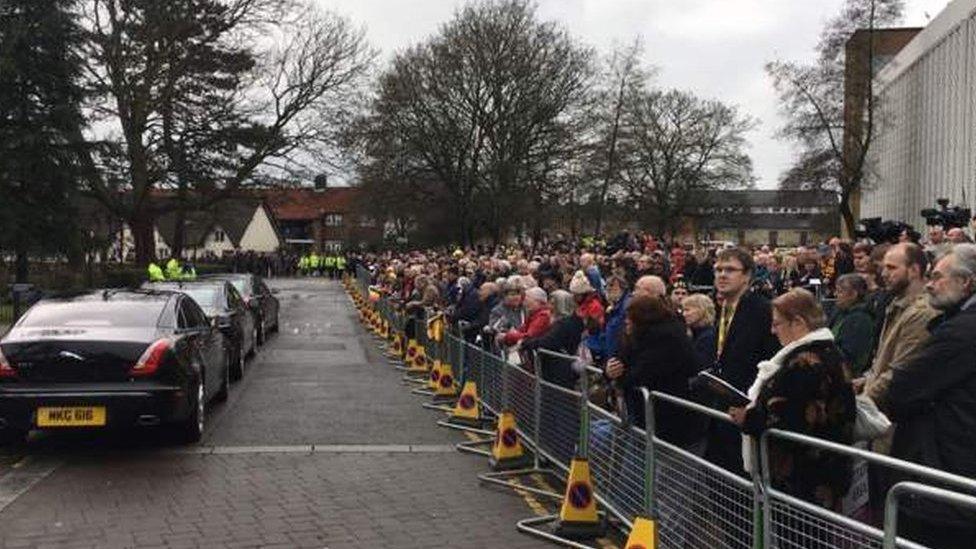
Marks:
<point>933,400</point>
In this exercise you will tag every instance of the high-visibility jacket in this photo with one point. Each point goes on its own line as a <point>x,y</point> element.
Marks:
<point>330,261</point>
<point>173,270</point>
<point>341,263</point>
<point>189,272</point>
<point>313,261</point>
<point>303,262</point>
<point>156,273</point>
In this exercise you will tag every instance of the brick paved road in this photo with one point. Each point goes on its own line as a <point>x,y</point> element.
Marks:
<point>319,446</point>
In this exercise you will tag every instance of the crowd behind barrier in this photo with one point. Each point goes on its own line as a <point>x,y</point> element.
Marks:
<point>639,469</point>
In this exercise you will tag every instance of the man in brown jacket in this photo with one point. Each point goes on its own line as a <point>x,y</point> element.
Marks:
<point>905,327</point>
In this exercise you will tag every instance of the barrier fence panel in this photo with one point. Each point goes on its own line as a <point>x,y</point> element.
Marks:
<point>794,523</point>
<point>698,503</point>
<point>520,386</point>
<point>636,473</point>
<point>617,454</point>
<point>492,382</point>
<point>559,423</point>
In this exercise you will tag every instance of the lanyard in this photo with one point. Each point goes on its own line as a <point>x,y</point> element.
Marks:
<point>724,325</point>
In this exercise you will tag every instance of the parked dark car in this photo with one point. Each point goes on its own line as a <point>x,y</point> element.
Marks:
<point>258,297</point>
<point>111,358</point>
<point>221,301</point>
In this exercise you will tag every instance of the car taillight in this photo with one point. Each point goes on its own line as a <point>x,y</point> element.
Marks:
<point>6,370</point>
<point>152,358</point>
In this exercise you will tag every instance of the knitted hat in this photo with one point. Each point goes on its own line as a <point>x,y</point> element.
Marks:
<point>579,284</point>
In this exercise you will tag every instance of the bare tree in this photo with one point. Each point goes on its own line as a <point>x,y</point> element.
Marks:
<point>478,106</point>
<point>683,145</point>
<point>813,98</point>
<point>623,82</point>
<point>192,108</point>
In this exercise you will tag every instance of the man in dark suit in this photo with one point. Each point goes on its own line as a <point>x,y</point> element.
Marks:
<point>744,339</point>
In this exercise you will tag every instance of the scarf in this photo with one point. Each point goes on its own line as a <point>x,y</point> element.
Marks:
<point>767,369</point>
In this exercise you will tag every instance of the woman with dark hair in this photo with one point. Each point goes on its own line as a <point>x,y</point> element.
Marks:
<point>655,353</point>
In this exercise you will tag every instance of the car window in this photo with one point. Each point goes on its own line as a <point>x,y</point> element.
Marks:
<point>183,321</point>
<point>234,298</point>
<point>240,284</point>
<point>194,315</point>
<point>127,314</point>
<point>205,296</point>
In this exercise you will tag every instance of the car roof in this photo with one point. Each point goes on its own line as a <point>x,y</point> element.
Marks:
<point>226,276</point>
<point>113,294</point>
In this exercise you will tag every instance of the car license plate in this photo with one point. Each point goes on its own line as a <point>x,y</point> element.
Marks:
<point>71,416</point>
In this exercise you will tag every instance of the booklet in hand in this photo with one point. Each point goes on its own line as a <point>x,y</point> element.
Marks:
<point>725,395</point>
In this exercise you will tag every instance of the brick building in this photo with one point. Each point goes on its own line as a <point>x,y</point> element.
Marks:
<point>323,219</point>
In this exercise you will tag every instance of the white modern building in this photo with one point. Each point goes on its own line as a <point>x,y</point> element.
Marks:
<point>925,146</point>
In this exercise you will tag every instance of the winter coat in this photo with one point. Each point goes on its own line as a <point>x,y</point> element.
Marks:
<point>902,337</point>
<point>562,337</point>
<point>610,337</point>
<point>481,318</point>
<point>660,358</point>
<point>853,330</point>
<point>810,394</point>
<point>932,399</point>
<point>749,341</point>
<point>703,342</point>
<point>504,318</point>
<point>536,324</point>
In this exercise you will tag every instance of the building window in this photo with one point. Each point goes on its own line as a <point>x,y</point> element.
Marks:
<point>803,238</point>
<point>773,237</point>
<point>219,236</point>
<point>367,222</point>
<point>741,237</point>
<point>333,220</point>
<point>332,245</point>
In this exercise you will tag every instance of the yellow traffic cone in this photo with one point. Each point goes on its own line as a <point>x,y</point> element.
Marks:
<point>434,379</point>
<point>643,535</point>
<point>578,517</point>
<point>507,451</point>
<point>420,362</point>
<point>395,352</point>
<point>467,409</point>
<point>445,386</point>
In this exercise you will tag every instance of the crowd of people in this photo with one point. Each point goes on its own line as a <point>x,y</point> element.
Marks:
<point>813,337</point>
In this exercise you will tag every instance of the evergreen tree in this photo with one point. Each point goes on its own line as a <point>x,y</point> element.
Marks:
<point>39,119</point>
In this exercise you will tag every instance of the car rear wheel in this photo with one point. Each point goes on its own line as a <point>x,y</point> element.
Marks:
<point>191,430</point>
<point>237,371</point>
<point>224,392</point>
<point>9,437</point>
<point>254,341</point>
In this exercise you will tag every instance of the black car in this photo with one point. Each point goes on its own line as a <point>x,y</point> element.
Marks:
<point>111,358</point>
<point>258,297</point>
<point>220,300</point>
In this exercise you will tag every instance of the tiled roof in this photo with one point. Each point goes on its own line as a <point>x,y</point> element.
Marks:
<point>305,204</point>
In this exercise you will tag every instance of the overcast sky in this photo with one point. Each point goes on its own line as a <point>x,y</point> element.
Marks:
<point>715,48</point>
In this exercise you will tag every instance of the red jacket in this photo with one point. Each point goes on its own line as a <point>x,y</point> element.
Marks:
<point>535,325</point>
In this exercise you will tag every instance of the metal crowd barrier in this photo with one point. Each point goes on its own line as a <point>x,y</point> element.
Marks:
<point>638,474</point>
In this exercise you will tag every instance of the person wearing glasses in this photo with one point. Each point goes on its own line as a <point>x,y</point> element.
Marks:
<point>743,339</point>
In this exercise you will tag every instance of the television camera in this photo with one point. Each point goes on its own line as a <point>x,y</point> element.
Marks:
<point>947,217</point>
